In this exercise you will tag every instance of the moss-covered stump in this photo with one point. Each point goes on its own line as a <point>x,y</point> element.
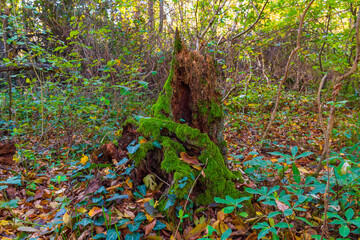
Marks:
<point>160,154</point>
<point>187,121</point>
<point>190,94</point>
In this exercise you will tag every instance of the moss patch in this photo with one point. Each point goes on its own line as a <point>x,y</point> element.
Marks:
<point>218,180</point>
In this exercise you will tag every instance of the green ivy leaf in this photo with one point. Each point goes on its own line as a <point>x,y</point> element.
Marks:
<point>228,209</point>
<point>349,214</point>
<point>226,234</point>
<point>344,230</point>
<point>111,234</point>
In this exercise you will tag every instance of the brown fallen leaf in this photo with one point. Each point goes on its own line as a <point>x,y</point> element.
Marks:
<point>148,228</point>
<point>252,236</point>
<point>94,211</point>
<point>281,205</point>
<point>190,160</point>
<point>99,229</point>
<point>195,233</point>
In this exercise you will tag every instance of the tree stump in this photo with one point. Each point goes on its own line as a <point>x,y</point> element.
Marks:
<point>183,140</point>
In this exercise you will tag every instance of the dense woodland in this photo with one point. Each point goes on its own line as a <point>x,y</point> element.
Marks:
<point>174,119</point>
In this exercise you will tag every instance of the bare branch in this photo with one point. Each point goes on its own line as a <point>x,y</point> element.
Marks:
<point>37,66</point>
<point>287,69</point>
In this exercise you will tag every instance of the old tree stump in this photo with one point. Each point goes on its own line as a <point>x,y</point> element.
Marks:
<point>181,144</point>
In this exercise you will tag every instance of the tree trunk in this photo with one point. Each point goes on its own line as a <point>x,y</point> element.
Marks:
<point>161,8</point>
<point>151,14</point>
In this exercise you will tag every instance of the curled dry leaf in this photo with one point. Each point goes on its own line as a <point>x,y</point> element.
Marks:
<point>190,160</point>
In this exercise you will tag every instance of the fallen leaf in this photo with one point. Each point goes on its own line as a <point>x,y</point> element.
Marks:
<point>99,229</point>
<point>148,228</point>
<point>66,218</point>
<point>94,211</point>
<point>190,160</point>
<point>27,229</point>
<point>281,205</point>
<point>195,233</point>
<point>84,159</point>
<point>81,210</point>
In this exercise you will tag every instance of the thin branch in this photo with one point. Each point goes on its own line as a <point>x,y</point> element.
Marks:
<point>37,66</point>
<point>250,27</point>
<point>319,102</point>
<point>213,18</point>
<point>325,155</point>
<point>287,70</point>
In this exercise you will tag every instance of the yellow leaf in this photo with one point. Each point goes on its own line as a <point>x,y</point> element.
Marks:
<point>303,170</point>
<point>81,210</point>
<point>93,117</point>
<point>4,222</point>
<point>84,159</point>
<point>94,211</point>
<point>196,167</point>
<point>148,217</point>
<point>66,218</point>
<point>129,182</point>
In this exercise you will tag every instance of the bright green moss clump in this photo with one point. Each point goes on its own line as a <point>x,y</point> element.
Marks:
<point>218,178</point>
<point>162,108</point>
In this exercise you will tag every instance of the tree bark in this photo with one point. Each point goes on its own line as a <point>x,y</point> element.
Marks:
<point>161,9</point>
<point>151,14</point>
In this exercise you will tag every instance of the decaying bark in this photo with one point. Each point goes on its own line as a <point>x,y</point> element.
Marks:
<point>7,151</point>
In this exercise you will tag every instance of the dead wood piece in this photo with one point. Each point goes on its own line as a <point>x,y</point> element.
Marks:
<point>37,66</point>
<point>109,152</point>
<point>128,135</point>
<point>196,99</point>
<point>7,151</point>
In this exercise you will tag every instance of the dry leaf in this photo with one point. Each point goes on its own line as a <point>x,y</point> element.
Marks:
<point>99,229</point>
<point>221,215</point>
<point>84,159</point>
<point>148,228</point>
<point>94,211</point>
<point>281,205</point>
<point>195,233</point>
<point>81,210</point>
<point>66,218</point>
<point>190,160</point>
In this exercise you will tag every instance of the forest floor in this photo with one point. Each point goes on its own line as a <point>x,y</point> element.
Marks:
<point>53,197</point>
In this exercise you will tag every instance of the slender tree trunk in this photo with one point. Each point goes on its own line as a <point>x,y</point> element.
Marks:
<point>7,51</point>
<point>151,14</point>
<point>161,8</point>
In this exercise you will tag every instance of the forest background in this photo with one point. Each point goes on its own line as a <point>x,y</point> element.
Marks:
<point>73,71</point>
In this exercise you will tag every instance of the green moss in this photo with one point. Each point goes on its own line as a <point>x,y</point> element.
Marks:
<point>130,121</point>
<point>161,108</point>
<point>178,46</point>
<point>219,179</point>
<point>215,111</point>
<point>212,112</point>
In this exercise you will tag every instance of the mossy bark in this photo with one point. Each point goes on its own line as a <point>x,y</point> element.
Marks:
<point>187,117</point>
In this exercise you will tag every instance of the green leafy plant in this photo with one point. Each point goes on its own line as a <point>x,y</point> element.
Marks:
<point>344,223</point>
<point>233,204</point>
